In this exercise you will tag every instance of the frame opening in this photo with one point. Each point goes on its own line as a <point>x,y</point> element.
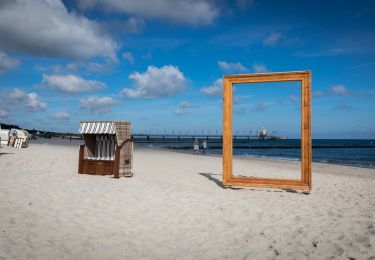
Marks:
<point>266,130</point>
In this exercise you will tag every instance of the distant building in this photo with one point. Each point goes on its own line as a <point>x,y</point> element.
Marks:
<point>263,133</point>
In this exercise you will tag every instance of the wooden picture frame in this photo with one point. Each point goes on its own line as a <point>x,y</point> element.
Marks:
<point>304,183</point>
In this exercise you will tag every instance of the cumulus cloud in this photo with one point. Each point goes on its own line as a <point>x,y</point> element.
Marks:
<point>259,107</point>
<point>91,67</point>
<point>63,115</point>
<point>71,83</point>
<point>239,99</point>
<point>3,113</point>
<point>341,90</point>
<point>259,68</point>
<point>273,39</point>
<point>98,105</point>
<point>216,89</point>
<point>183,108</point>
<point>129,57</point>
<point>180,112</point>
<point>104,67</point>
<point>192,12</point>
<point>338,90</point>
<point>28,101</point>
<point>293,99</point>
<point>318,94</point>
<point>231,66</point>
<point>156,82</point>
<point>185,104</point>
<point>47,28</point>
<point>7,63</point>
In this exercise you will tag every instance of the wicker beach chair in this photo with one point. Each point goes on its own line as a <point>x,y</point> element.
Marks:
<point>108,148</point>
<point>18,138</point>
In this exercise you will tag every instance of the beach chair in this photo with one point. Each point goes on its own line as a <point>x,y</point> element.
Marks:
<point>18,138</point>
<point>18,143</point>
<point>108,148</point>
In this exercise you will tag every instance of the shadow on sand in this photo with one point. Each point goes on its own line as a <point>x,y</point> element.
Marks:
<point>5,153</point>
<point>216,181</point>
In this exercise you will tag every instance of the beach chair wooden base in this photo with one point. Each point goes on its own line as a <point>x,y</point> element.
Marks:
<point>96,167</point>
<point>103,167</point>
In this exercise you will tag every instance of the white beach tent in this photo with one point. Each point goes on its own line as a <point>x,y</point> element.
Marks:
<point>4,136</point>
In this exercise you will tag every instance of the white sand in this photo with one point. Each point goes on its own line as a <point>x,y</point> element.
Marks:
<point>175,208</point>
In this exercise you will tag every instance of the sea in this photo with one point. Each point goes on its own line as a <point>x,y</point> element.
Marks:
<point>352,152</point>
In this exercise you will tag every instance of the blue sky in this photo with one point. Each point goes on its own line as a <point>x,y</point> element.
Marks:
<point>159,63</point>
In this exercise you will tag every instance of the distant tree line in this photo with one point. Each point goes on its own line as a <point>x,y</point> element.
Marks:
<point>6,126</point>
<point>42,132</point>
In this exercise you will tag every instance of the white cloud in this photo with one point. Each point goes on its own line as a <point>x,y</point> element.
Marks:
<point>91,67</point>
<point>128,56</point>
<point>183,108</point>
<point>273,39</point>
<point>259,68</point>
<point>63,115</point>
<point>7,63</point>
<point>180,112</point>
<point>318,94</point>
<point>293,99</point>
<point>20,98</point>
<point>238,99</point>
<point>214,90</point>
<point>3,113</point>
<point>338,90</point>
<point>47,28</point>
<point>341,90</point>
<point>185,104</point>
<point>98,105</point>
<point>192,12</point>
<point>72,83</point>
<point>259,107</point>
<point>231,67</point>
<point>156,82</point>
<point>104,67</point>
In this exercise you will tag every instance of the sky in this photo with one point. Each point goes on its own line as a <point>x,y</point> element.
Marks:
<point>159,64</point>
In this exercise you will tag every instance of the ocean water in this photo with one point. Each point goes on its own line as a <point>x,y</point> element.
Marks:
<point>354,152</point>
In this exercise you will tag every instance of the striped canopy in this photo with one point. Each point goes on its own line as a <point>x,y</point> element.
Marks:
<point>97,128</point>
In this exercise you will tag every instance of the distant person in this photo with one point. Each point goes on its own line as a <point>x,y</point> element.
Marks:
<point>204,146</point>
<point>70,138</point>
<point>196,146</point>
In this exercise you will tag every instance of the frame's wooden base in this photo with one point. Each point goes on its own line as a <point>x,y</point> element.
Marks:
<point>304,183</point>
<point>267,183</point>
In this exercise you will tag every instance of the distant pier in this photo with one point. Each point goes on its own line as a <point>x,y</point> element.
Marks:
<point>149,138</point>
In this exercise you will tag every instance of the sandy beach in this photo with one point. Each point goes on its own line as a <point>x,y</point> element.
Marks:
<point>174,207</point>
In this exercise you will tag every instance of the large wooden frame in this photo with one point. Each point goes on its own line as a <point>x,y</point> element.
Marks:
<point>228,179</point>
